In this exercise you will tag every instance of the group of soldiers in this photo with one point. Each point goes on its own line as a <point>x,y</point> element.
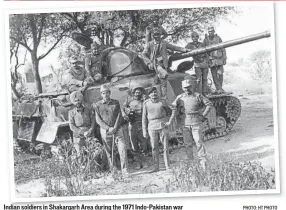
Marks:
<point>149,115</point>
<point>155,55</point>
<point>150,123</point>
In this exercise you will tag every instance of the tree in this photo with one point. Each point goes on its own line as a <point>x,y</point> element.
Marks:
<point>16,79</point>
<point>37,31</point>
<point>129,26</point>
<point>261,65</point>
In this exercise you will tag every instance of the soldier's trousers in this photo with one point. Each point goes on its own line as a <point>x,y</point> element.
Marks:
<point>138,142</point>
<point>217,74</point>
<point>163,136</point>
<point>78,144</point>
<point>192,134</point>
<point>202,74</point>
<point>118,139</point>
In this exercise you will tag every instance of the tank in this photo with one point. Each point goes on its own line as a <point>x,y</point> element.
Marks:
<point>43,121</point>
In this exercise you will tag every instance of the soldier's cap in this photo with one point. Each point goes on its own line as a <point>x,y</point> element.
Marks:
<point>104,87</point>
<point>151,90</point>
<point>188,82</point>
<point>194,33</point>
<point>94,45</point>
<point>211,28</point>
<point>76,95</point>
<point>156,31</point>
<point>137,87</point>
<point>73,59</point>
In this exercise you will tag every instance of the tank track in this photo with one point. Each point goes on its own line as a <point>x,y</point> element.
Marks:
<point>229,108</point>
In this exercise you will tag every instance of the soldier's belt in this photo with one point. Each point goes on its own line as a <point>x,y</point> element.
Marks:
<point>159,59</point>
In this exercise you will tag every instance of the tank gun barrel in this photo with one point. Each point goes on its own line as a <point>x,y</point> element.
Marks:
<point>226,44</point>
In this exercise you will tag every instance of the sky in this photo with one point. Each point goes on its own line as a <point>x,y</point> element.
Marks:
<point>251,20</point>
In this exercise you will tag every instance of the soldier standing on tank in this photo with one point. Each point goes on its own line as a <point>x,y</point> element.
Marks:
<point>93,64</point>
<point>78,79</point>
<point>81,121</point>
<point>217,59</point>
<point>132,112</point>
<point>155,55</point>
<point>155,123</point>
<point>200,62</point>
<point>109,118</point>
<point>150,28</point>
<point>188,105</point>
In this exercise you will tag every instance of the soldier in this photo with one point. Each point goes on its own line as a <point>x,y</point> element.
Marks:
<point>155,54</point>
<point>109,117</point>
<point>188,105</point>
<point>217,59</point>
<point>77,77</point>
<point>132,112</point>
<point>200,62</point>
<point>155,123</point>
<point>93,63</point>
<point>81,121</point>
<point>151,27</point>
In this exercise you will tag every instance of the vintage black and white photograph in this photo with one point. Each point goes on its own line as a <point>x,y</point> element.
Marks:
<point>177,100</point>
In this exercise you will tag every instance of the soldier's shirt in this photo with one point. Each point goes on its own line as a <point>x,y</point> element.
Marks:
<point>93,64</point>
<point>189,107</point>
<point>80,120</point>
<point>217,57</point>
<point>155,114</point>
<point>136,105</point>
<point>107,113</point>
<point>200,61</point>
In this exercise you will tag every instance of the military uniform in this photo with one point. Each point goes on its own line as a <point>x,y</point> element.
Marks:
<point>93,65</point>
<point>188,107</point>
<point>200,64</point>
<point>81,120</point>
<point>108,114</point>
<point>155,55</point>
<point>217,60</point>
<point>135,125</point>
<point>155,115</point>
<point>149,30</point>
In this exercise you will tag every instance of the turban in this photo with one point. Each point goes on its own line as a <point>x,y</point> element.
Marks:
<point>76,95</point>
<point>151,90</point>
<point>157,31</point>
<point>137,87</point>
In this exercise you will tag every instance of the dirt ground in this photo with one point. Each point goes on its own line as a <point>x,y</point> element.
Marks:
<point>251,139</point>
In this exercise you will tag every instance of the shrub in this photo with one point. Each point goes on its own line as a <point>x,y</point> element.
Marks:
<point>220,176</point>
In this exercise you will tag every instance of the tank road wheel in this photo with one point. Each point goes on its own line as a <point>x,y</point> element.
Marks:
<point>220,124</point>
<point>233,108</point>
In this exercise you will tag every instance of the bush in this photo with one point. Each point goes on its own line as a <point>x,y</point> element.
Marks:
<point>220,176</point>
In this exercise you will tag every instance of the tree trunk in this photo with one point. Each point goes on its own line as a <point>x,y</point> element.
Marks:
<point>35,65</point>
<point>16,93</point>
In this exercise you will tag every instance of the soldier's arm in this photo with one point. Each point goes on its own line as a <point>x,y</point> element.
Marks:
<point>119,116</point>
<point>173,108</point>
<point>87,63</point>
<point>99,120</point>
<point>74,81</point>
<point>164,33</point>
<point>93,122</point>
<point>146,53</point>
<point>207,103</point>
<point>223,49</point>
<point>125,105</point>
<point>144,119</point>
<point>73,126</point>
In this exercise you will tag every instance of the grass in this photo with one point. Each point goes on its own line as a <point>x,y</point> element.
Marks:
<point>221,174</point>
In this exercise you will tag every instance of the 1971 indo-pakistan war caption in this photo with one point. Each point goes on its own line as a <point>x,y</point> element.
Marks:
<point>143,101</point>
